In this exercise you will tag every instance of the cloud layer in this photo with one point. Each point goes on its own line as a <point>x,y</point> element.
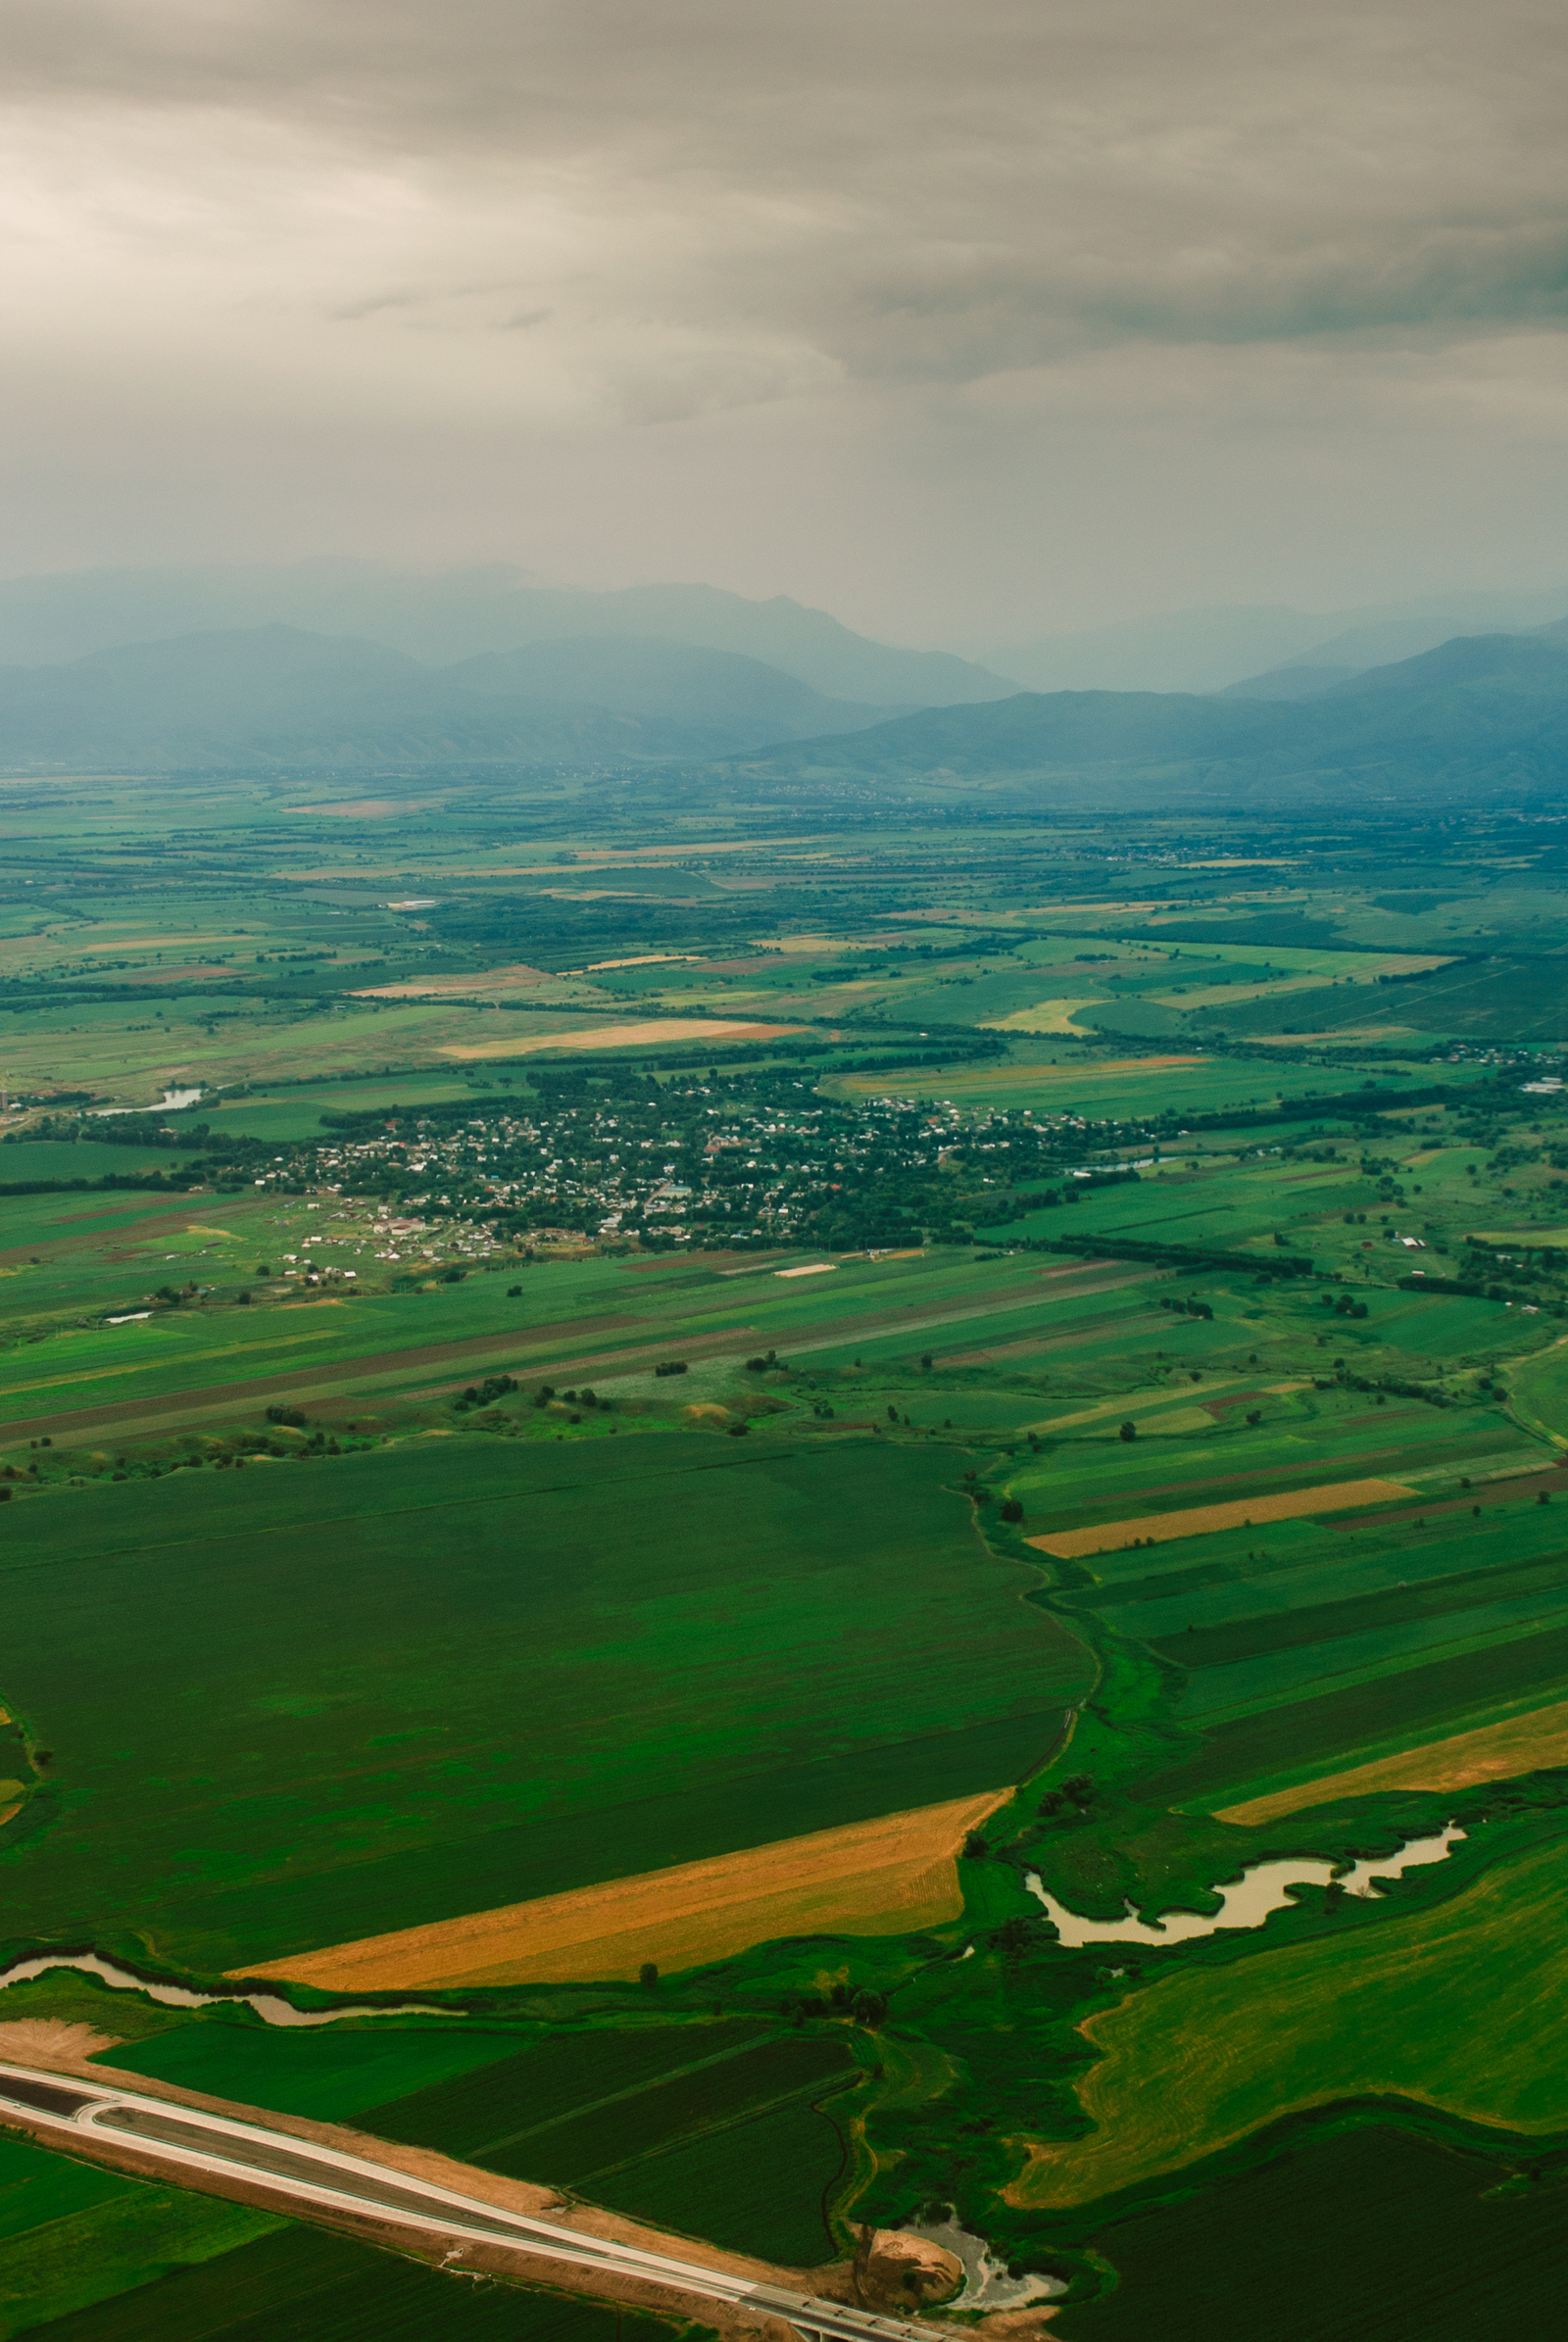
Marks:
<point>486,223</point>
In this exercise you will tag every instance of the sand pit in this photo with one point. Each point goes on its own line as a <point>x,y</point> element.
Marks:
<point>882,1878</point>
<point>1245,1512</point>
<point>1492,1752</point>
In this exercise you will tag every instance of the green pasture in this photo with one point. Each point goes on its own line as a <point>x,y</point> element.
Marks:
<point>1245,1591</point>
<point>333,2075</point>
<point>565,2079</point>
<point>79,2244</point>
<point>527,1669</point>
<point>1306,1436</point>
<point>302,2284</point>
<point>82,1159</point>
<point>1448,2006</point>
<point>1060,1078</point>
<point>1287,1674</point>
<point>1289,1740</point>
<point>38,2189</point>
<point>1541,1392</point>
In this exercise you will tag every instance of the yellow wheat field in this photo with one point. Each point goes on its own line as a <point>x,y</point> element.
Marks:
<point>1245,1512</point>
<point>882,1878</point>
<point>1492,1752</point>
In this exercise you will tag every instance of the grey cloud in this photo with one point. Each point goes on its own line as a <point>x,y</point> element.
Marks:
<point>906,306</point>
<point>898,189</point>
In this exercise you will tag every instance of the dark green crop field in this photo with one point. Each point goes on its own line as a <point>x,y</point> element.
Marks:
<point>526,1669</point>
<point>302,2285</point>
<point>1350,2238</point>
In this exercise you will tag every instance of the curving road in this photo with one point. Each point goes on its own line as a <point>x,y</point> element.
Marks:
<point>195,2145</point>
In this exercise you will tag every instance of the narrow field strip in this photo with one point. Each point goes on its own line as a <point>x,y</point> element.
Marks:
<point>386,1366</point>
<point>644,1031</point>
<point>882,1878</point>
<point>1492,1752</point>
<point>1200,1520</point>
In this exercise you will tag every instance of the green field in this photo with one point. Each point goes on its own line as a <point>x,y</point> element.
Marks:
<point>276,1684</point>
<point>516,1600</point>
<point>303,2285</point>
<point>713,2121</point>
<point>1349,2237</point>
<point>1451,2007</point>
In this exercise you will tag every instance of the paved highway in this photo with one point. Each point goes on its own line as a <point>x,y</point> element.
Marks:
<point>195,2145</point>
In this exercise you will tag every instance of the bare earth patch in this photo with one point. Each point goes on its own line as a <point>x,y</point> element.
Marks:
<point>50,2040</point>
<point>1246,1512</point>
<point>882,1878</point>
<point>489,981</point>
<point>1492,1752</point>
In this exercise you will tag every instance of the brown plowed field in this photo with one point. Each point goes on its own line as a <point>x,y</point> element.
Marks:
<point>883,1878</point>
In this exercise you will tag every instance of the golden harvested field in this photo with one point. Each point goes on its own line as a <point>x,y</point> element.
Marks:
<point>1245,1512</point>
<point>632,1034</point>
<point>1492,1752</point>
<point>489,981</point>
<point>882,1878</point>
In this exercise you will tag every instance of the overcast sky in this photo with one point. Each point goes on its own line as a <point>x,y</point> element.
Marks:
<point>963,318</point>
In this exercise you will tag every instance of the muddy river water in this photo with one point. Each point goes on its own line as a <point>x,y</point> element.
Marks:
<point>1246,1902</point>
<point>269,2006</point>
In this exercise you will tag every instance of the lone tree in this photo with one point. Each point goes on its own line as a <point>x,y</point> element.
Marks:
<point>1011,1509</point>
<point>648,1975</point>
<point>1128,1431</point>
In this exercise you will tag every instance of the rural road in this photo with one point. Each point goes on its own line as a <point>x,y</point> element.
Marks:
<point>196,2145</point>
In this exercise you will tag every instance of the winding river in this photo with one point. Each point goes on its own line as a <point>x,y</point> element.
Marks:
<point>1246,1902</point>
<point>269,2006</point>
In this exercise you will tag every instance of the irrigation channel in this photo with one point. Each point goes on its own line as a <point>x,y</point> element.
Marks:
<point>197,2147</point>
<point>1263,1887</point>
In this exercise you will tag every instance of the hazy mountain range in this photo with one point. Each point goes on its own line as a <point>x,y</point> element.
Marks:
<point>1268,651</point>
<point>1479,715</point>
<point>587,681</point>
<point>277,697</point>
<point>445,618</point>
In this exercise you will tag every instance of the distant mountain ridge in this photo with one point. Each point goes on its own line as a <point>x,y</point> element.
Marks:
<point>1247,646</point>
<point>1478,712</point>
<point>275,695</point>
<point>464,612</point>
